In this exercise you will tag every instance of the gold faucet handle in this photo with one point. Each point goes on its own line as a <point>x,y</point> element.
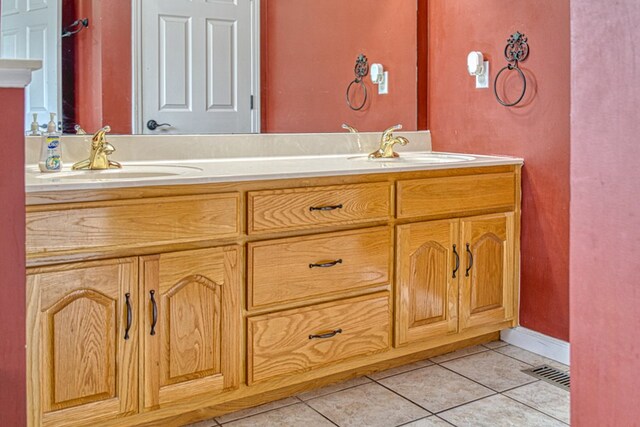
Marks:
<point>388,134</point>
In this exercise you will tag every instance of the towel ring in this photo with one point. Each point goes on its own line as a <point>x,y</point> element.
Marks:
<point>361,69</point>
<point>516,51</point>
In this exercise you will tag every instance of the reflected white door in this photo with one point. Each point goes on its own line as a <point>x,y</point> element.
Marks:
<point>30,29</point>
<point>197,65</point>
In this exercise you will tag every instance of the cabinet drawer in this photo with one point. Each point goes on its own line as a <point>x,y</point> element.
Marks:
<point>293,269</point>
<point>298,340</point>
<point>456,195</point>
<point>133,223</point>
<point>301,208</point>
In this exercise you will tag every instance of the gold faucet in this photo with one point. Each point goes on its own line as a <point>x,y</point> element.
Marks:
<point>100,151</point>
<point>387,142</point>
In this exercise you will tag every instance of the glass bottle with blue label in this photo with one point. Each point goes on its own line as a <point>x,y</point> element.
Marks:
<point>51,154</point>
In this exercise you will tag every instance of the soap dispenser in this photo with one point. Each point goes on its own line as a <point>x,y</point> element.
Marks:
<point>51,153</point>
<point>35,126</point>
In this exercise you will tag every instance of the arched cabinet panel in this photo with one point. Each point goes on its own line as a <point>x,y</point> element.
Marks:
<point>192,324</point>
<point>83,344</point>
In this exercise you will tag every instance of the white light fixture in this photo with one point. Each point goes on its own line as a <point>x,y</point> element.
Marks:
<point>478,67</point>
<point>380,78</point>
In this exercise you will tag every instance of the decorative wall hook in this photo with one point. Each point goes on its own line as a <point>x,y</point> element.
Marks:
<point>360,70</point>
<point>77,26</point>
<point>516,51</point>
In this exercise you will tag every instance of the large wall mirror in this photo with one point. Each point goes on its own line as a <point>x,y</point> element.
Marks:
<point>218,66</point>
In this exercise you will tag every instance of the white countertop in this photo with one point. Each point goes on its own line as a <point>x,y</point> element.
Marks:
<point>203,171</point>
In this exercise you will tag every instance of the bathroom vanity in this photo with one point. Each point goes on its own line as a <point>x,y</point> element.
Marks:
<point>167,299</point>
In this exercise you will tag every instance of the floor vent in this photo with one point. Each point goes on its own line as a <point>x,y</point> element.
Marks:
<point>551,375</point>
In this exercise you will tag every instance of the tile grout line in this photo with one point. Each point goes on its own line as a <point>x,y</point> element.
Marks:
<point>472,380</point>
<point>337,391</point>
<point>535,409</point>
<point>459,357</point>
<point>465,403</point>
<point>320,413</point>
<point>263,412</point>
<point>404,372</point>
<point>407,399</point>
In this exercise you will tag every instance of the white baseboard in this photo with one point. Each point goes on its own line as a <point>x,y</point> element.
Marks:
<point>538,343</point>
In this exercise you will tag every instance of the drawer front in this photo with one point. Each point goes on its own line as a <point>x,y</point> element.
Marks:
<point>289,270</point>
<point>298,340</point>
<point>133,223</point>
<point>302,208</point>
<point>456,195</point>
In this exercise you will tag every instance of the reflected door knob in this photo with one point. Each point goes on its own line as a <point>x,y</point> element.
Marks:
<point>153,125</point>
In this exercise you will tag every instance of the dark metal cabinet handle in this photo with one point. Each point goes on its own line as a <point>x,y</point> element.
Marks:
<point>455,270</point>
<point>326,264</point>
<point>154,310</point>
<point>129,316</point>
<point>326,208</point>
<point>470,260</point>
<point>153,125</point>
<point>325,336</point>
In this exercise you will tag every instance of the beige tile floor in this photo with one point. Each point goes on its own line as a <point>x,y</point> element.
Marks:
<point>476,386</point>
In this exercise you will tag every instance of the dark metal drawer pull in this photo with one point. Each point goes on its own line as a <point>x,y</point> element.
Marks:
<point>129,316</point>
<point>326,264</point>
<point>326,208</point>
<point>470,260</point>
<point>455,270</point>
<point>327,335</point>
<point>154,312</point>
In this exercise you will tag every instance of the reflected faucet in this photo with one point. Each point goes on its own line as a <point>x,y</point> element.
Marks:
<point>387,142</point>
<point>350,128</point>
<point>100,152</point>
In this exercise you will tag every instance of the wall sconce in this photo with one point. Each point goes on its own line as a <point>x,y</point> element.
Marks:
<point>478,67</point>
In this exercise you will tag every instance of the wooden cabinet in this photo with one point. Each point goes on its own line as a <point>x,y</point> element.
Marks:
<point>488,273</point>
<point>298,340</point>
<point>192,324</point>
<point>184,325</point>
<point>427,280</point>
<point>88,323</point>
<point>82,339</point>
<point>443,274</point>
<point>318,207</point>
<point>291,270</point>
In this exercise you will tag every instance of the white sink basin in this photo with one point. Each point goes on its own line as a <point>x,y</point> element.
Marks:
<point>128,172</point>
<point>418,158</point>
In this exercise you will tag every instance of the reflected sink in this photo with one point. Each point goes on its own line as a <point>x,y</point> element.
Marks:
<point>421,158</point>
<point>128,172</point>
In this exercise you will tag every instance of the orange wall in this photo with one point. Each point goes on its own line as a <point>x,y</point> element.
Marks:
<point>605,219</point>
<point>12,261</point>
<point>309,49</point>
<point>103,66</point>
<point>465,119</point>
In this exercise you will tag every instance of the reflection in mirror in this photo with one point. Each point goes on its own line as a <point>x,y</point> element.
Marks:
<point>223,66</point>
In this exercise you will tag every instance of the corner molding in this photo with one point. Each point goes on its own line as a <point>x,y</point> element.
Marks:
<point>16,73</point>
<point>538,343</point>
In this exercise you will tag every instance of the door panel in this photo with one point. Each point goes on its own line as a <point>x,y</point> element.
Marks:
<point>31,30</point>
<point>488,284</point>
<point>427,291</point>
<point>197,65</point>
<point>193,346</point>
<point>82,362</point>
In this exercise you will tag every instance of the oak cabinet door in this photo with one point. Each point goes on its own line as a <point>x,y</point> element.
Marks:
<point>192,324</point>
<point>488,283</point>
<point>427,261</point>
<point>82,341</point>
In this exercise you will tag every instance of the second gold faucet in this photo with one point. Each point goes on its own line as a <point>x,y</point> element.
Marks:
<point>387,142</point>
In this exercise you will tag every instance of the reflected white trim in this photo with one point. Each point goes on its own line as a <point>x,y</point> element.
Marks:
<point>16,73</point>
